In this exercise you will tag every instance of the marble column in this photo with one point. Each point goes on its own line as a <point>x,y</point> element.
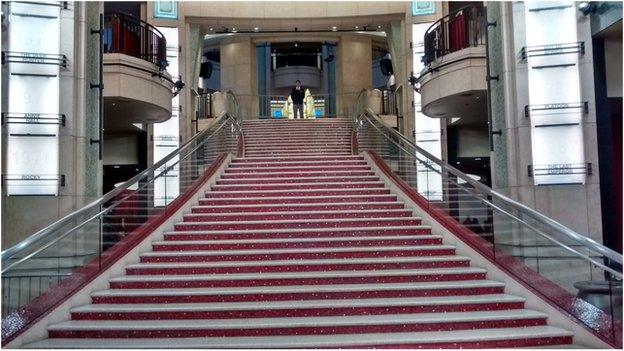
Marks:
<point>239,73</point>
<point>353,71</point>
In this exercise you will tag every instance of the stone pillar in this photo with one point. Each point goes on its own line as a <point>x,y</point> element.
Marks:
<point>399,35</point>
<point>184,70</point>
<point>500,47</point>
<point>574,205</point>
<point>353,71</point>
<point>190,40</point>
<point>239,73</point>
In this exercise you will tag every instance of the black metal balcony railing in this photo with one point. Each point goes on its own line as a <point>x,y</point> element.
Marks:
<point>125,34</point>
<point>461,29</point>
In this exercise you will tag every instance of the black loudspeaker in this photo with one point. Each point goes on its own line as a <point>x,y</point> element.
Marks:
<point>386,67</point>
<point>205,70</point>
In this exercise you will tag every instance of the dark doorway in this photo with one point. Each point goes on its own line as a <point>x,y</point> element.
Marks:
<point>128,7</point>
<point>609,135</point>
<point>130,206</point>
<point>118,173</point>
<point>468,152</point>
<point>456,5</point>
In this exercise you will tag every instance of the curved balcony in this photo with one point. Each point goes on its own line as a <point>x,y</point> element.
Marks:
<point>285,77</point>
<point>128,35</point>
<point>453,81</point>
<point>137,89</point>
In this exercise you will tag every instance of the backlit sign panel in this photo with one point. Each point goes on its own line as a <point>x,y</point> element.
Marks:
<point>556,111</point>
<point>32,118</point>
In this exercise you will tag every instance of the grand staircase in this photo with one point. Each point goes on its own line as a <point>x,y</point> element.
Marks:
<point>299,244</point>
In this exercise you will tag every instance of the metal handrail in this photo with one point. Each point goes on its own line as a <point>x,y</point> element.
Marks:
<point>51,229</point>
<point>237,117</point>
<point>110,208</point>
<point>548,222</point>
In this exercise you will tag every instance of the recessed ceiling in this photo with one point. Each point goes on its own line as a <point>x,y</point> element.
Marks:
<point>613,31</point>
<point>120,113</point>
<point>470,107</point>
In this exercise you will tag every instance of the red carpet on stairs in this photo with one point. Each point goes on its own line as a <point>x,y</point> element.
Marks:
<point>300,244</point>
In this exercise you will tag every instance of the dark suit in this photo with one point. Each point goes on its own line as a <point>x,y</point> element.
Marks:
<point>297,96</point>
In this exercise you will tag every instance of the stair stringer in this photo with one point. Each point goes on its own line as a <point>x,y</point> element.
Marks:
<point>39,330</point>
<point>556,318</point>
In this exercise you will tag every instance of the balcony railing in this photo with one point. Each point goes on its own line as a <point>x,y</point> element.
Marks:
<point>459,30</point>
<point>125,34</point>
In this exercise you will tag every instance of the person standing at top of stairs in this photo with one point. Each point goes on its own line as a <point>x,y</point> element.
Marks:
<point>297,94</point>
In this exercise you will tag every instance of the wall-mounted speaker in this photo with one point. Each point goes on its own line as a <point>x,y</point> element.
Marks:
<point>386,67</point>
<point>205,70</point>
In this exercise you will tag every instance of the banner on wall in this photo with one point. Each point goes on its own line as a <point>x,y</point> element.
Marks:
<point>555,108</point>
<point>32,117</point>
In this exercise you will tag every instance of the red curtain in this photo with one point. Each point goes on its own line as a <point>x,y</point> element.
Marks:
<point>458,35</point>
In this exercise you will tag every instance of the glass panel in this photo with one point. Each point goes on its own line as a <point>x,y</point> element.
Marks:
<point>78,243</point>
<point>565,269</point>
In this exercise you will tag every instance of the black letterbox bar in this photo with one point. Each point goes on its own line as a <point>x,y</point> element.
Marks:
<point>553,49</point>
<point>31,177</point>
<point>556,106</point>
<point>34,58</point>
<point>33,118</point>
<point>559,169</point>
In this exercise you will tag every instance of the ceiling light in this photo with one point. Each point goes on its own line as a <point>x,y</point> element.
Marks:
<point>233,29</point>
<point>378,27</point>
<point>211,29</point>
<point>357,27</point>
<point>334,28</point>
<point>256,29</point>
